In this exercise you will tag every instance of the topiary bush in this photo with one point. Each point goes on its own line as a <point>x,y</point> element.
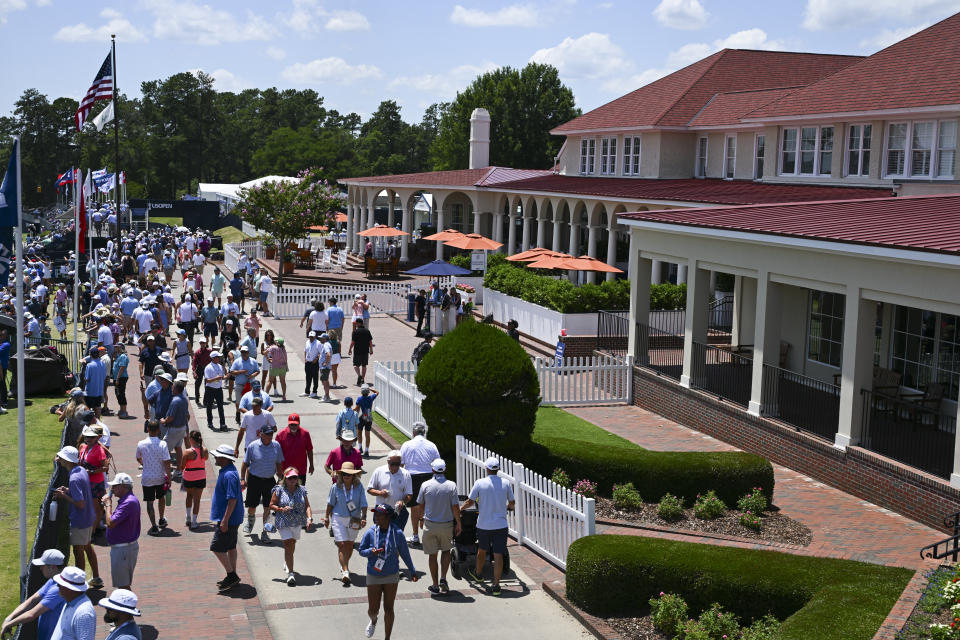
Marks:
<point>481,384</point>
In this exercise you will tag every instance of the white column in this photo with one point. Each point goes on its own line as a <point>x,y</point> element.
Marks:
<point>371,219</point>
<point>350,227</point>
<point>574,239</point>
<point>737,310</point>
<point>476,221</point>
<point>859,326</point>
<point>390,205</point>
<point>681,274</point>
<point>656,272</point>
<point>640,307</point>
<point>592,250</point>
<point>611,249</point>
<point>439,228</point>
<point>511,234</point>
<point>405,226</point>
<point>955,476</point>
<point>357,228</point>
<point>525,240</point>
<point>541,232</point>
<point>766,340</point>
<point>498,229</point>
<point>556,236</point>
<point>695,321</point>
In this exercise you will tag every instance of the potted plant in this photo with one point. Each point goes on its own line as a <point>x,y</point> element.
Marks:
<point>289,261</point>
<point>270,247</point>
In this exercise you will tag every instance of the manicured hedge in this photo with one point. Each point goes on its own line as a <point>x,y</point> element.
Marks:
<point>820,598</point>
<point>654,473</point>
<point>560,295</point>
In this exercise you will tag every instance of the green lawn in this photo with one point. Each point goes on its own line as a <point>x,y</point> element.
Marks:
<point>231,234</point>
<point>43,441</point>
<point>173,221</point>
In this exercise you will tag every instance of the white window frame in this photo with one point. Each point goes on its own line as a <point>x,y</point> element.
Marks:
<point>758,159</point>
<point>729,163</point>
<point>608,156</point>
<point>848,151</point>
<point>831,339</point>
<point>935,150</point>
<point>631,155</point>
<point>935,361</point>
<point>706,157</point>
<point>798,150</point>
<point>588,156</point>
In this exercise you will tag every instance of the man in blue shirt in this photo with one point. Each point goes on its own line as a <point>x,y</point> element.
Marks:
<point>4,366</point>
<point>173,428</point>
<point>335,319</point>
<point>45,605</point>
<point>242,369</point>
<point>236,288</point>
<point>262,463</point>
<point>79,495</point>
<point>95,378</point>
<point>225,510</point>
<point>128,305</point>
<point>365,408</point>
<point>246,402</point>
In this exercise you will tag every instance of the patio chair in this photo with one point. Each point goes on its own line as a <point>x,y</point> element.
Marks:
<point>342,262</point>
<point>923,407</point>
<point>371,265</point>
<point>327,263</point>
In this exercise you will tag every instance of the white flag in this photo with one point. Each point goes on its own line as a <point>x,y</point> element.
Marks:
<point>104,117</point>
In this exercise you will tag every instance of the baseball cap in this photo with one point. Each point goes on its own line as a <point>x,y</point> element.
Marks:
<point>151,337</point>
<point>312,334</point>
<point>70,454</point>
<point>324,336</point>
<point>215,354</point>
<point>293,418</point>
<point>267,428</point>
<point>254,384</point>
<point>203,340</point>
<point>492,463</point>
<point>181,332</point>
<point>49,558</point>
<point>245,348</point>
<point>438,465</point>
<point>121,478</point>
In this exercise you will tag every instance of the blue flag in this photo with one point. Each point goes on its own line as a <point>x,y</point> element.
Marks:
<point>8,215</point>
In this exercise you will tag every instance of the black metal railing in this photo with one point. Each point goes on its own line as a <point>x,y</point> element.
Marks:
<point>805,403</point>
<point>658,351</point>
<point>909,432</point>
<point>670,322</point>
<point>612,332</point>
<point>948,546</point>
<point>722,373</point>
<point>721,316</point>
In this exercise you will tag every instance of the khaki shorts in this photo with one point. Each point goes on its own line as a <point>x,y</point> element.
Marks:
<point>437,536</point>
<point>81,537</point>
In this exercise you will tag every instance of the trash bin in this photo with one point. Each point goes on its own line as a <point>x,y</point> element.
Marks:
<point>411,306</point>
<point>436,320</point>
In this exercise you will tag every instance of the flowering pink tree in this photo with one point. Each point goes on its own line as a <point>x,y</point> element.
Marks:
<point>287,210</point>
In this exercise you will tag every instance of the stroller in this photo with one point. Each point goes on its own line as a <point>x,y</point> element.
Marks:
<point>465,545</point>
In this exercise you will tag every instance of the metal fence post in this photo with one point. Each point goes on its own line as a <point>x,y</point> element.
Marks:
<point>590,523</point>
<point>519,478</point>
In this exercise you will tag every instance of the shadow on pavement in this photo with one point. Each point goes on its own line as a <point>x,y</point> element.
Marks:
<point>241,592</point>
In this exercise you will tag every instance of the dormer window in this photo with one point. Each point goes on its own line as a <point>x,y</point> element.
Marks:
<point>631,155</point>
<point>807,151</point>
<point>924,150</point>
<point>588,151</point>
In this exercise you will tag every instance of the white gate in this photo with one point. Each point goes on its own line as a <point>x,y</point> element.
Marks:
<point>399,399</point>
<point>231,253</point>
<point>547,517</point>
<point>388,298</point>
<point>593,380</point>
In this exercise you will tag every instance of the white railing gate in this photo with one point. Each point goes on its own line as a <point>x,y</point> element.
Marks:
<point>593,380</point>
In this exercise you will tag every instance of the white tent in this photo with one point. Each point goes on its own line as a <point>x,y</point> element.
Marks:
<point>228,194</point>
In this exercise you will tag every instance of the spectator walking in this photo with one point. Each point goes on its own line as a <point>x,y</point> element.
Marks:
<point>291,508</point>
<point>383,545</point>
<point>391,484</point>
<point>347,419</point>
<point>342,454</point>
<point>242,371</point>
<point>347,504</point>
<point>95,459</point>
<point>277,358</point>
<point>78,619</point>
<point>297,447</point>
<point>80,497</point>
<point>251,424</point>
<point>210,315</point>
<point>181,352</point>
<point>268,341</point>
<point>362,340</point>
<point>226,512</point>
<point>45,604</point>
<point>123,530</point>
<point>201,358</point>
<point>246,402</point>
<point>311,364</point>
<point>420,306</point>
<point>193,470</point>
<point>95,379</point>
<point>121,376</point>
<point>440,523</point>
<point>262,463</point>
<point>217,283</point>
<point>493,497</point>
<point>417,455</point>
<point>365,410</point>
<point>174,425</point>
<point>154,458</point>
<point>335,317</point>
<point>121,609</point>
<point>421,350</point>
<point>318,318</point>
<point>213,375</point>
<point>326,359</point>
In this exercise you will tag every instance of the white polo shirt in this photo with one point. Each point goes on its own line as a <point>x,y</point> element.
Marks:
<point>416,455</point>
<point>399,484</point>
<point>312,351</point>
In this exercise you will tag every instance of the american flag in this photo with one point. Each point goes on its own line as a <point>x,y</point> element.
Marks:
<point>101,89</point>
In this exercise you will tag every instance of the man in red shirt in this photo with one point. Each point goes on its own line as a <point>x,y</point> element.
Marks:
<point>344,453</point>
<point>297,447</point>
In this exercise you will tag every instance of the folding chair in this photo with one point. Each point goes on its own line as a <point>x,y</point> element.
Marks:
<point>327,264</point>
<point>342,262</point>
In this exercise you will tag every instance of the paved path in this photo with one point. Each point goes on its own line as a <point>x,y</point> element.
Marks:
<point>843,526</point>
<point>176,572</point>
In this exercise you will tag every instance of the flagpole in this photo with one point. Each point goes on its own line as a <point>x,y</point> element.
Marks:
<point>21,417</point>
<point>116,144</point>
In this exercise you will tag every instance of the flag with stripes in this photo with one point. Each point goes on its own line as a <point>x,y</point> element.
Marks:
<point>101,89</point>
<point>65,178</point>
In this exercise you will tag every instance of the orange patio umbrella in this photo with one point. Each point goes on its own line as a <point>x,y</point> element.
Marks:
<point>551,260</point>
<point>586,263</point>
<point>319,228</point>
<point>382,231</point>
<point>473,241</point>
<point>443,236</point>
<point>531,254</point>
<point>340,217</point>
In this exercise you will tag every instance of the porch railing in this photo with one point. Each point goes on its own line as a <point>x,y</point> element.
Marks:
<point>722,373</point>
<point>612,327</point>
<point>659,351</point>
<point>909,432</point>
<point>805,403</point>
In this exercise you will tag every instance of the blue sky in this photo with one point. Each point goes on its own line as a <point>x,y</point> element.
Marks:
<point>356,54</point>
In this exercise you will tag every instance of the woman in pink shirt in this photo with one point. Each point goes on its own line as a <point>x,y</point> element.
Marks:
<point>276,355</point>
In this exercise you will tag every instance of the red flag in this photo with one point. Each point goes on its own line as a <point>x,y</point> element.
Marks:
<point>82,229</point>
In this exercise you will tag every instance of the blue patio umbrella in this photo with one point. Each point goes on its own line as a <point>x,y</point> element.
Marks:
<point>439,268</point>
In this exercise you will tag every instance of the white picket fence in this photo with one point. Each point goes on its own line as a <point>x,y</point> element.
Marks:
<point>388,298</point>
<point>231,253</point>
<point>593,380</point>
<point>547,517</point>
<point>398,398</point>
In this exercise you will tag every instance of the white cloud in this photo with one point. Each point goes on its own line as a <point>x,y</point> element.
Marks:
<point>9,6</point>
<point>332,69</point>
<point>749,39</point>
<point>681,14</point>
<point>304,16</point>
<point>844,14</point>
<point>203,24</point>
<point>116,24</point>
<point>513,16</point>
<point>888,37</point>
<point>276,53</point>
<point>226,81</point>
<point>593,55</point>
<point>347,21</point>
<point>443,86</point>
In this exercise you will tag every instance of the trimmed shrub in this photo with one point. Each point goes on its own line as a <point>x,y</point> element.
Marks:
<point>481,384</point>
<point>668,296</point>
<point>462,260</point>
<point>682,473</point>
<point>626,496</point>
<point>670,507</point>
<point>559,295</point>
<point>708,506</point>
<point>823,598</point>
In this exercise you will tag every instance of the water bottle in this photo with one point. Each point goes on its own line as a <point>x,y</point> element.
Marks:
<point>268,527</point>
<point>168,497</point>
<point>53,511</point>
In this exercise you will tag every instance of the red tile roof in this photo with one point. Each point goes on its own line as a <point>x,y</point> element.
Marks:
<point>919,71</point>
<point>690,190</point>
<point>925,223</point>
<point>485,177</point>
<point>675,99</point>
<point>728,108</point>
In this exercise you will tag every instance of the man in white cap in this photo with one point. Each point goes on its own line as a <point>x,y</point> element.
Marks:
<point>311,364</point>
<point>213,375</point>
<point>493,497</point>
<point>123,529</point>
<point>79,495</point>
<point>45,605</point>
<point>226,512</point>
<point>441,522</point>
<point>416,456</point>
<point>78,620</point>
<point>121,609</point>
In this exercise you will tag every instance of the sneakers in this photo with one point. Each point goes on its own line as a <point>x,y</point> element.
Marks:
<point>495,590</point>
<point>444,587</point>
<point>346,578</point>
<point>228,583</point>
<point>123,414</point>
<point>291,579</point>
<point>224,428</point>
<point>314,396</point>
<point>434,590</point>
<point>371,627</point>
<point>153,531</point>
<point>264,538</point>
<point>304,395</point>
<point>359,381</point>
<point>189,523</point>
<point>414,539</point>
<point>473,575</point>
<point>248,527</point>
<point>3,411</point>
<point>162,523</point>
<point>95,582</point>
<point>326,399</point>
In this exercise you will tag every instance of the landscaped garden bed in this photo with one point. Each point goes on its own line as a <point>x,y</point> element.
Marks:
<point>932,618</point>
